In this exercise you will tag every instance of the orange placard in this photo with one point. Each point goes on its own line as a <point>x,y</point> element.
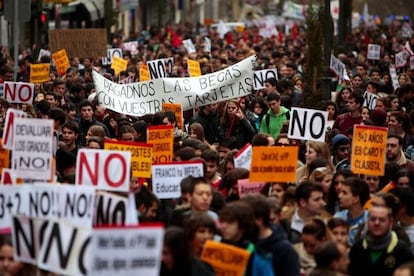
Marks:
<point>274,163</point>
<point>178,111</point>
<point>4,157</point>
<point>144,74</point>
<point>141,156</point>
<point>61,61</point>
<point>39,72</point>
<point>225,259</point>
<point>369,145</point>
<point>194,69</point>
<point>162,139</point>
<point>119,64</point>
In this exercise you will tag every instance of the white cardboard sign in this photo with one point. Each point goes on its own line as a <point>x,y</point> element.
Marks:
<point>261,76</point>
<point>32,156</point>
<point>243,158</point>
<point>104,169</point>
<point>370,100</point>
<point>308,124</point>
<point>19,92</point>
<point>167,176</point>
<point>374,51</point>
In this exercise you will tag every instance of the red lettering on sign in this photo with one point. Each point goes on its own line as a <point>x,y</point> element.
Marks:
<point>124,170</point>
<point>84,165</point>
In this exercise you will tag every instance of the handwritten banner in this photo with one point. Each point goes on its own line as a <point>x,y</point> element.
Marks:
<point>39,72</point>
<point>162,139</point>
<point>247,188</point>
<point>271,163</point>
<point>141,156</point>
<point>61,61</point>
<point>140,98</point>
<point>225,259</point>
<point>368,150</point>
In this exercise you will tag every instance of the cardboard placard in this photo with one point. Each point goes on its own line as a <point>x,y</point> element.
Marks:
<point>61,61</point>
<point>374,51</point>
<point>82,43</point>
<point>19,92</point>
<point>32,156</point>
<point>141,156</point>
<point>271,163</point>
<point>247,188</point>
<point>39,72</point>
<point>166,178</point>
<point>144,74</point>
<point>8,131</point>
<point>225,259</point>
<point>261,76</point>
<point>370,100</point>
<point>4,157</point>
<point>162,139</point>
<point>194,69</point>
<point>104,169</point>
<point>308,124</point>
<point>119,64</point>
<point>127,251</point>
<point>243,158</point>
<point>110,209</point>
<point>368,150</point>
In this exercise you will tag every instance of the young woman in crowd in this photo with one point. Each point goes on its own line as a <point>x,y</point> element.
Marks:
<point>314,150</point>
<point>199,228</point>
<point>8,266</point>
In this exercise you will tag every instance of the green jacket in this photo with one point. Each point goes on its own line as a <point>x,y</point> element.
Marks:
<point>274,123</point>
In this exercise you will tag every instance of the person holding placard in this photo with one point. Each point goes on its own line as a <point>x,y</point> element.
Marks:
<point>276,117</point>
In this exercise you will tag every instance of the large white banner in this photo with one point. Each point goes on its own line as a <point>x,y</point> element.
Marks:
<point>137,99</point>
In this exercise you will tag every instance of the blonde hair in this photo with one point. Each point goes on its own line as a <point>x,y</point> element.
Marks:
<point>319,174</point>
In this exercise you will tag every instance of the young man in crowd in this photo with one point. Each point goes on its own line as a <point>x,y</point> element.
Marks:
<point>276,117</point>
<point>346,121</point>
<point>395,152</point>
<point>88,120</point>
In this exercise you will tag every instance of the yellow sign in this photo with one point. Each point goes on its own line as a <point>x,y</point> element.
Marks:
<point>178,111</point>
<point>144,74</point>
<point>369,145</point>
<point>141,156</point>
<point>39,72</point>
<point>194,69</point>
<point>119,64</point>
<point>4,157</point>
<point>225,259</point>
<point>270,163</point>
<point>61,61</point>
<point>162,139</point>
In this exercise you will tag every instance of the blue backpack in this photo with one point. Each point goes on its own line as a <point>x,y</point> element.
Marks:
<point>262,264</point>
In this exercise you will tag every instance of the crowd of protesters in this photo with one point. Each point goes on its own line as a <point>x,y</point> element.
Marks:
<point>329,222</point>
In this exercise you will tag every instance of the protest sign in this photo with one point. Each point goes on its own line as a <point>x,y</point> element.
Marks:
<point>129,79</point>
<point>141,156</point>
<point>401,59</point>
<point>160,68</point>
<point>225,259</point>
<point>274,163</point>
<point>194,69</point>
<point>127,251</point>
<point>119,64</point>
<point>189,46</point>
<point>137,99</point>
<point>166,178</point>
<point>77,42</point>
<point>131,46</point>
<point>43,53</point>
<point>74,204</point>
<point>247,188</point>
<point>52,245</point>
<point>370,100</point>
<point>261,76</point>
<point>19,92</point>
<point>162,139</point>
<point>394,77</point>
<point>8,177</point>
<point>32,154</point>
<point>144,74</point>
<point>39,72</point>
<point>368,150</point>
<point>110,209</point>
<point>178,112</point>
<point>4,157</point>
<point>114,52</point>
<point>374,51</point>
<point>308,124</point>
<point>338,67</point>
<point>104,169</point>
<point>243,158</point>
<point>61,61</point>
<point>8,129</point>
<point>207,45</point>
